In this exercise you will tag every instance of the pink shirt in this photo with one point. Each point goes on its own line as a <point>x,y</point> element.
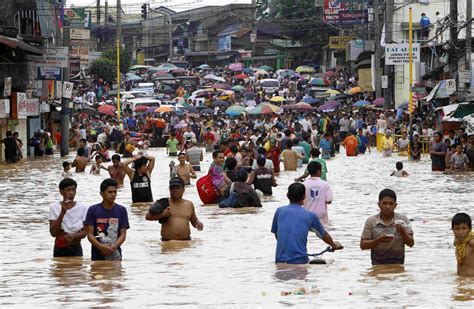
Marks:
<point>318,194</point>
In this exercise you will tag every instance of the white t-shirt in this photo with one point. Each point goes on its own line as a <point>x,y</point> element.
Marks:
<point>318,194</point>
<point>268,164</point>
<point>344,125</point>
<point>72,220</point>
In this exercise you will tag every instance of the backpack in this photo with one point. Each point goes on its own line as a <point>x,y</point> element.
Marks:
<point>231,200</point>
<point>206,190</point>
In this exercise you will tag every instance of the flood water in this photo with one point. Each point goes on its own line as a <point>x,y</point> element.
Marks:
<point>231,262</point>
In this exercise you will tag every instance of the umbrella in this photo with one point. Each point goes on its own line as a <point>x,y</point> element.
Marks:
<point>139,67</point>
<point>194,115</point>
<point>277,99</point>
<point>221,103</point>
<point>238,88</point>
<point>379,101</point>
<point>166,67</point>
<point>264,109</point>
<point>132,77</point>
<point>311,100</point>
<point>265,68</point>
<point>355,90</point>
<point>305,69</point>
<point>236,66</point>
<point>221,86</point>
<point>178,70</point>
<point>329,73</point>
<point>340,96</point>
<point>332,92</point>
<point>463,110</point>
<point>106,108</point>
<point>361,103</point>
<point>317,82</point>
<point>205,94</point>
<point>163,74</point>
<point>181,124</point>
<point>150,110</point>
<point>89,110</point>
<point>286,73</point>
<point>261,72</point>
<point>241,76</point>
<point>203,66</point>
<point>190,109</point>
<point>209,76</point>
<point>329,105</point>
<point>250,95</point>
<point>141,108</point>
<point>206,111</point>
<point>303,106</point>
<point>235,110</point>
<point>247,71</point>
<point>164,109</point>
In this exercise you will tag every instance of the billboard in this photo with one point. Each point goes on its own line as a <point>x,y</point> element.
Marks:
<point>53,57</point>
<point>345,12</point>
<point>78,17</point>
<point>397,54</point>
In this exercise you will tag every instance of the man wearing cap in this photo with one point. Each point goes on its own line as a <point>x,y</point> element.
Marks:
<point>175,213</point>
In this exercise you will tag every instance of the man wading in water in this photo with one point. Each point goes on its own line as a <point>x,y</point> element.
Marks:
<point>140,178</point>
<point>175,213</point>
<point>116,170</point>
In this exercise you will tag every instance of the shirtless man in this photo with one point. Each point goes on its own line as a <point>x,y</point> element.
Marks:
<point>116,170</point>
<point>80,162</point>
<point>184,170</point>
<point>177,215</point>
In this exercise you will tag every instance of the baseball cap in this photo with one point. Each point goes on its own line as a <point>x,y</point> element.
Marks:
<point>176,181</point>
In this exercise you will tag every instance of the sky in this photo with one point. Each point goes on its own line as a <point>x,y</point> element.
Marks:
<point>176,5</point>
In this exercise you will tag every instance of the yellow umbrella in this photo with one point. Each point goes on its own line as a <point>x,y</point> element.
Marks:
<point>274,108</point>
<point>305,69</point>
<point>277,99</point>
<point>355,90</point>
<point>332,91</point>
<point>164,109</point>
<point>261,72</point>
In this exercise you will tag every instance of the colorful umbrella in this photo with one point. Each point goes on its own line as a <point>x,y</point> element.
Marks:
<point>190,109</point>
<point>238,88</point>
<point>264,109</point>
<point>317,82</point>
<point>150,110</point>
<point>166,67</point>
<point>236,66</point>
<point>265,68</point>
<point>181,124</point>
<point>221,103</point>
<point>355,90</point>
<point>329,73</point>
<point>203,66</point>
<point>286,73</point>
<point>305,69</point>
<point>106,108</point>
<point>250,95</point>
<point>303,106</point>
<point>361,103</point>
<point>311,100</point>
<point>261,72</point>
<point>141,108</point>
<point>241,76</point>
<point>329,105</point>
<point>332,92</point>
<point>379,101</point>
<point>206,111</point>
<point>163,74</point>
<point>235,110</point>
<point>164,109</point>
<point>221,86</point>
<point>277,99</point>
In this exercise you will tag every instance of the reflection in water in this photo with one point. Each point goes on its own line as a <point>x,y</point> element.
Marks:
<point>231,262</point>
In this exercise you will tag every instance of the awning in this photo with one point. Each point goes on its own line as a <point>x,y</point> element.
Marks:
<point>15,43</point>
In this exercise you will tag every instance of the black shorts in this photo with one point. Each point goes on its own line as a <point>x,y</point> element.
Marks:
<point>196,168</point>
<point>72,250</point>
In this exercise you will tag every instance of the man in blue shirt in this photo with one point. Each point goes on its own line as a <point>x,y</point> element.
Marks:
<point>291,225</point>
<point>425,29</point>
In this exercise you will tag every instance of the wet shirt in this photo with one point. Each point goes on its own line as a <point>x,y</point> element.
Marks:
<point>10,147</point>
<point>291,225</point>
<point>216,173</point>
<point>172,145</point>
<point>263,180</point>
<point>318,194</point>
<point>459,160</point>
<point>351,144</point>
<point>324,168</point>
<point>107,221</point>
<point>141,188</point>
<point>194,155</point>
<point>72,220</point>
<point>290,158</point>
<point>392,252</point>
<point>438,162</point>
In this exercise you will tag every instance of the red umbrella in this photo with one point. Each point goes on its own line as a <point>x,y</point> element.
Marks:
<point>303,106</point>
<point>141,108</point>
<point>241,76</point>
<point>379,101</point>
<point>106,108</point>
<point>327,82</point>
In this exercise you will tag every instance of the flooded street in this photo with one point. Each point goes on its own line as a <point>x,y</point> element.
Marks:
<point>231,262</point>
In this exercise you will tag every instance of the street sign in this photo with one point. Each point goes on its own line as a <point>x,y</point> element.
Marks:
<point>67,90</point>
<point>49,73</point>
<point>384,81</point>
<point>464,77</point>
<point>450,86</point>
<point>397,54</point>
<point>55,57</point>
<point>340,42</point>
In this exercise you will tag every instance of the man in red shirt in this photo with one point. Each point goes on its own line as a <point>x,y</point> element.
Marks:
<point>351,143</point>
<point>57,138</point>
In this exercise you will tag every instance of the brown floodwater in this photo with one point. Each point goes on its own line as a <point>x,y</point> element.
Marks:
<point>231,262</point>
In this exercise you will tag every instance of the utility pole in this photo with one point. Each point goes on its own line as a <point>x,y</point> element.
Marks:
<point>119,45</point>
<point>468,64</point>
<point>98,12</point>
<point>453,29</point>
<point>170,22</point>
<point>254,27</point>
<point>106,17</point>
<point>378,50</point>
<point>388,69</point>
<point>64,101</point>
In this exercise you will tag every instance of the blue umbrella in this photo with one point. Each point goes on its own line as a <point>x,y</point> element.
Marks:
<point>361,103</point>
<point>311,100</point>
<point>235,110</point>
<point>247,71</point>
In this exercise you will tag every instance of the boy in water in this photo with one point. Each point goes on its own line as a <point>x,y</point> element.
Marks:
<point>399,172</point>
<point>175,214</point>
<point>95,168</point>
<point>66,170</point>
<point>459,160</point>
<point>461,225</point>
<point>387,233</point>
<point>291,225</point>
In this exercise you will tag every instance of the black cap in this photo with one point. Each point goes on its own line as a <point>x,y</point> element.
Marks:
<point>176,181</point>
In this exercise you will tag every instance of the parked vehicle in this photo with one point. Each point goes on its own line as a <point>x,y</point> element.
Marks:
<point>269,85</point>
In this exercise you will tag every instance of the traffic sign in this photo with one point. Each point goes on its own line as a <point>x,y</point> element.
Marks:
<point>67,90</point>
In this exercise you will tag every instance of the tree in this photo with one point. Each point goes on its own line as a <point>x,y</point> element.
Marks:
<point>125,57</point>
<point>104,68</point>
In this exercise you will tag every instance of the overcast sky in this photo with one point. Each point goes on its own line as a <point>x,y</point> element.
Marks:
<point>176,5</point>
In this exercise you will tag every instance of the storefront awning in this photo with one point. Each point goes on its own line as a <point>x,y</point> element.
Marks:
<point>16,43</point>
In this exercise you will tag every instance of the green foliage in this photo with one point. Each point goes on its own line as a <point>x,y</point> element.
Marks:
<point>104,68</point>
<point>125,57</point>
<point>263,7</point>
